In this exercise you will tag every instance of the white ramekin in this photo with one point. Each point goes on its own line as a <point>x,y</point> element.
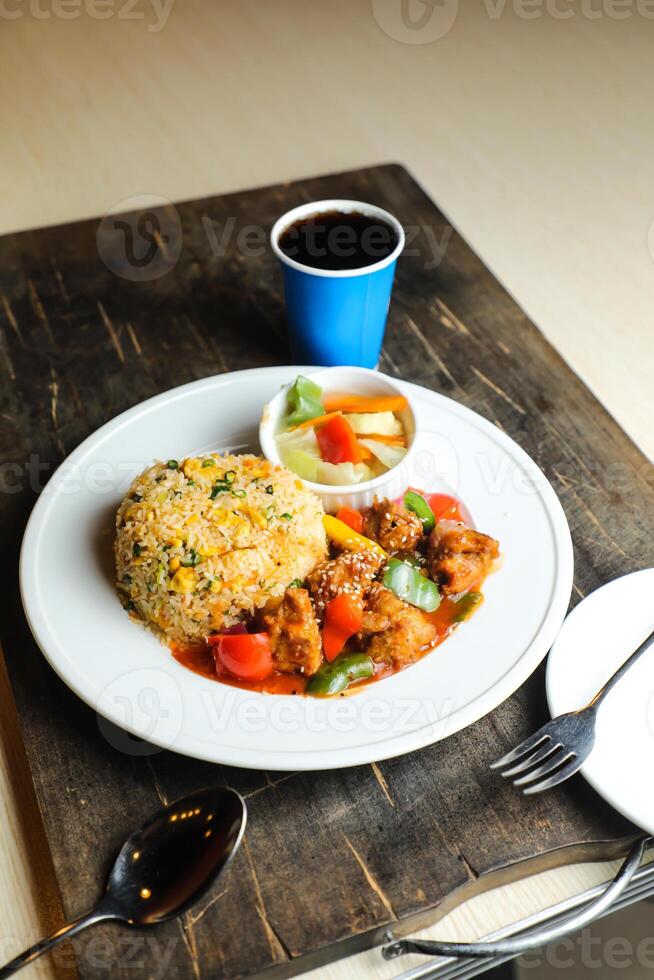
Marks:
<point>357,381</point>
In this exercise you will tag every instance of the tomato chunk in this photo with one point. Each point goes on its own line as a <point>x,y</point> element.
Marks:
<point>351,517</point>
<point>247,656</point>
<point>444,507</point>
<point>338,442</point>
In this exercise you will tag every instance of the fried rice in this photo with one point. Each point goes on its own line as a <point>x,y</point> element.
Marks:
<point>205,542</point>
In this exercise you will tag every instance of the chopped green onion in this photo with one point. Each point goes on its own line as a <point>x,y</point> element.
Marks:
<point>230,476</point>
<point>408,584</point>
<point>303,401</point>
<point>136,550</point>
<point>192,560</point>
<point>137,497</point>
<point>415,502</point>
<point>286,517</point>
<point>208,462</point>
<point>466,605</point>
<point>269,488</point>
<point>220,487</point>
<point>172,464</point>
<point>239,493</point>
<point>191,483</point>
<point>269,512</point>
<point>295,584</point>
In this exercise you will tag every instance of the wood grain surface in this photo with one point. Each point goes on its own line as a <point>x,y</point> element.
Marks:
<point>331,858</point>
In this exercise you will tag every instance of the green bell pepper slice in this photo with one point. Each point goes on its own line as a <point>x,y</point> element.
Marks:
<point>303,401</point>
<point>335,677</point>
<point>408,584</point>
<point>466,605</point>
<point>413,501</point>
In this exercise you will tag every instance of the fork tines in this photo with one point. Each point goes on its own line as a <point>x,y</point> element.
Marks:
<point>539,763</point>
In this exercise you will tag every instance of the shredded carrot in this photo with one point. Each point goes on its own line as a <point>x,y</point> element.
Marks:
<point>361,403</point>
<point>312,423</point>
<point>365,452</point>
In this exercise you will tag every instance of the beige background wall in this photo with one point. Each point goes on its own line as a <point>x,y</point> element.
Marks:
<point>536,136</point>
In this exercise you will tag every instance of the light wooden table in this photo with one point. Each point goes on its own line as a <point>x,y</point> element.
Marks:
<point>534,134</point>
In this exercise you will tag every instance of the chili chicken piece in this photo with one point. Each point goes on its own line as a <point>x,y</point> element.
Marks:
<point>352,572</point>
<point>294,634</point>
<point>392,526</point>
<point>459,557</point>
<point>398,632</point>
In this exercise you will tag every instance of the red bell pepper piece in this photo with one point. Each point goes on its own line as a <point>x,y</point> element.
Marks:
<point>247,656</point>
<point>343,618</point>
<point>353,518</point>
<point>445,508</point>
<point>338,442</point>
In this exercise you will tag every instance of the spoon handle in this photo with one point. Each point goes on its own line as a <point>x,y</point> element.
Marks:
<point>45,945</point>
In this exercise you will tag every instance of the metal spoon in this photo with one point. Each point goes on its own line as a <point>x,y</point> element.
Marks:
<point>163,868</point>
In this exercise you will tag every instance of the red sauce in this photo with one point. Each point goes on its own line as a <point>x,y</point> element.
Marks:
<point>200,659</point>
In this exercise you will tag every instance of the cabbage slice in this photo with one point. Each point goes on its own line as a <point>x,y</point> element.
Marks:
<point>302,464</point>
<point>299,452</point>
<point>341,474</point>
<point>302,439</point>
<point>390,456</point>
<point>381,423</point>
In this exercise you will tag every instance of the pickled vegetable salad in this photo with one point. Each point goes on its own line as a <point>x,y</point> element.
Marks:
<point>340,439</point>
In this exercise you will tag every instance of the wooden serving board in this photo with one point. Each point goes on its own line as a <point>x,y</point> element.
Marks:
<point>331,858</point>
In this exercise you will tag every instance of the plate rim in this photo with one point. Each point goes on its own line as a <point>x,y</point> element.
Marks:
<point>596,784</point>
<point>280,760</point>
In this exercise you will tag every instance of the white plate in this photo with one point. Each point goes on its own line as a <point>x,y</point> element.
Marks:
<point>598,636</point>
<point>130,678</point>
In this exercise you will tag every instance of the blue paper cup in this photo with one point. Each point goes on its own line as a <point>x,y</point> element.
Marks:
<point>337,317</point>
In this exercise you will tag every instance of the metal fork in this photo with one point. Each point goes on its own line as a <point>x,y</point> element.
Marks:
<point>560,748</point>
